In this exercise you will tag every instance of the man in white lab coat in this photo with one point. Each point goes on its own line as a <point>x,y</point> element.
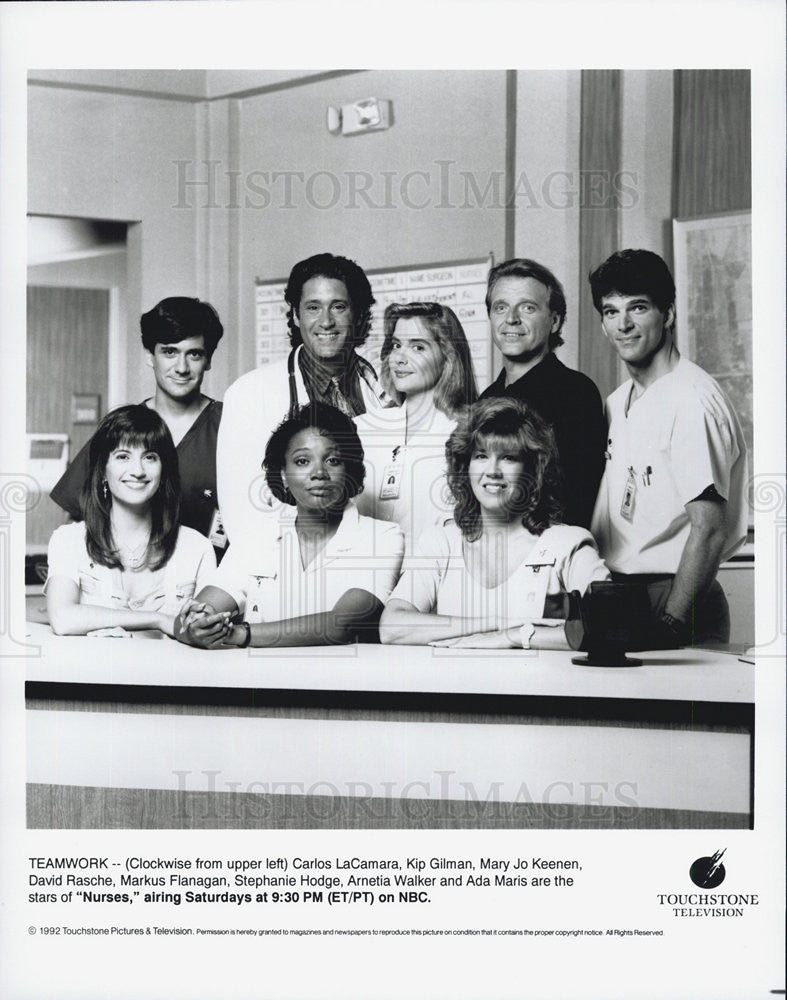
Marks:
<point>329,316</point>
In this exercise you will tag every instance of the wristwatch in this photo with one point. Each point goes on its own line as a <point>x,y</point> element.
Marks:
<point>247,638</point>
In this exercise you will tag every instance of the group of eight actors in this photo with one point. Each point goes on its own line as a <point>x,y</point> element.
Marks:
<point>404,506</point>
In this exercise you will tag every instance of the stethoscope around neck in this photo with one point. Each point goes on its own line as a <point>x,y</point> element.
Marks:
<point>292,383</point>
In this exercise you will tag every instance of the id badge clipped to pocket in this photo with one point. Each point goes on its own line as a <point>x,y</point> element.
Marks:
<point>391,482</point>
<point>217,536</point>
<point>629,496</point>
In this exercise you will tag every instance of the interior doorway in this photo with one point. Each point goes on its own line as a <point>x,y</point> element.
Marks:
<point>76,277</point>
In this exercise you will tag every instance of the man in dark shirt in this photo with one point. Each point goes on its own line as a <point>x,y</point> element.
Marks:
<point>526,305</point>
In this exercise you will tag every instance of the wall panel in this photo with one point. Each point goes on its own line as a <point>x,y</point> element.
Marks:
<point>712,163</point>
<point>600,164</point>
<point>67,350</point>
<point>430,188</point>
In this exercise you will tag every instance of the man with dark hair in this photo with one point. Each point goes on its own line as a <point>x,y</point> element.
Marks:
<point>527,308</point>
<point>179,336</point>
<point>672,504</point>
<point>326,265</point>
<point>330,301</point>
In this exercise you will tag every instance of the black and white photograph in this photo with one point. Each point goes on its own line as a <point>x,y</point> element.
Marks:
<point>401,507</point>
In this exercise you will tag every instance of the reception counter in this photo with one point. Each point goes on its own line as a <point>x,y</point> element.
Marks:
<point>143,732</point>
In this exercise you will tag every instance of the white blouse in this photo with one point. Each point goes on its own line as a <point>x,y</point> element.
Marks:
<point>436,579</point>
<point>266,579</point>
<point>405,480</point>
<point>187,571</point>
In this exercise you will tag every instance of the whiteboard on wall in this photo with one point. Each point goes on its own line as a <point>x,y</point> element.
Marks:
<point>459,284</point>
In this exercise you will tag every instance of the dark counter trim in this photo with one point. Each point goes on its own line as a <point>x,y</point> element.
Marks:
<point>651,711</point>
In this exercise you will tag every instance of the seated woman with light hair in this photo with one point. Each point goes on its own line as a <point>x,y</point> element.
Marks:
<point>425,365</point>
<point>497,573</point>
<point>129,565</point>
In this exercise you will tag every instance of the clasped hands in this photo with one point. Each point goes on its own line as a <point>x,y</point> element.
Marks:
<point>199,624</point>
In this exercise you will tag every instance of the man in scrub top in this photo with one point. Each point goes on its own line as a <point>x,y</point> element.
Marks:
<point>179,336</point>
<point>672,503</point>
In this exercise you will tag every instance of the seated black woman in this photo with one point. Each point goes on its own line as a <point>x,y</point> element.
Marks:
<point>496,574</point>
<point>325,576</point>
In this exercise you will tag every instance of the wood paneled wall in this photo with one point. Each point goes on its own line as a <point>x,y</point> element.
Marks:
<point>712,144</point>
<point>599,164</point>
<point>67,350</point>
<point>711,173</point>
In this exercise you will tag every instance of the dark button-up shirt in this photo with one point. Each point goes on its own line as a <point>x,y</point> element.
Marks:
<point>323,385</point>
<point>571,404</point>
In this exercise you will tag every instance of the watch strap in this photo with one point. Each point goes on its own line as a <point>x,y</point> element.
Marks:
<point>247,638</point>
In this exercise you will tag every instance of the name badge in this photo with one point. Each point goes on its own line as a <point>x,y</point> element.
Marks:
<point>216,535</point>
<point>629,496</point>
<point>391,482</point>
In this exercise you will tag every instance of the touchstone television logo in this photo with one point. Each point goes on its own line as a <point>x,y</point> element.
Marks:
<point>707,873</point>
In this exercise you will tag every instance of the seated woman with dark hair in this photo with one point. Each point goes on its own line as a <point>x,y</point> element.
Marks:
<point>179,336</point>
<point>497,573</point>
<point>325,577</point>
<point>128,564</point>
